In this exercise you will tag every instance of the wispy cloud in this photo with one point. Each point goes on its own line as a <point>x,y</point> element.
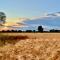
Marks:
<point>5,28</point>
<point>11,25</point>
<point>47,21</point>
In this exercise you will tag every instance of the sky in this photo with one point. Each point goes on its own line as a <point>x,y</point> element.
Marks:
<point>16,9</point>
<point>28,8</point>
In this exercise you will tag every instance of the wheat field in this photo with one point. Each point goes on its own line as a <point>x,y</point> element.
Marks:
<point>30,46</point>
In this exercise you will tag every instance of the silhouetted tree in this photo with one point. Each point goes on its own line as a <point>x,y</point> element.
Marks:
<point>34,31</point>
<point>19,30</point>
<point>57,30</point>
<point>53,30</point>
<point>12,30</point>
<point>15,31</point>
<point>28,30</point>
<point>7,31</point>
<point>2,31</point>
<point>40,29</point>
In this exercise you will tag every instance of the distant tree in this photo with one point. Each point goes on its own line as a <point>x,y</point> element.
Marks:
<point>2,31</point>
<point>57,30</point>
<point>19,30</point>
<point>8,31</point>
<point>34,31</point>
<point>52,30</point>
<point>12,31</point>
<point>15,31</point>
<point>28,30</point>
<point>40,29</point>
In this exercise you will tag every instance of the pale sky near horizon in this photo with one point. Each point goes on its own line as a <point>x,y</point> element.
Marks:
<point>28,8</point>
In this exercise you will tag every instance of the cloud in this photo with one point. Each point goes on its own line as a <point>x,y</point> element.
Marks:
<point>11,25</point>
<point>5,28</point>
<point>48,21</point>
<point>48,27</point>
<point>23,19</point>
<point>46,15</point>
<point>12,19</point>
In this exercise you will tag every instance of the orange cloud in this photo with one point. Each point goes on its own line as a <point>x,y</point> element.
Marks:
<point>16,19</point>
<point>12,19</point>
<point>11,25</point>
<point>5,28</point>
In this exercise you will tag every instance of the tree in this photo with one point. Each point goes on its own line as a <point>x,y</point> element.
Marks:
<point>33,31</point>
<point>40,29</point>
<point>28,30</point>
<point>53,30</point>
<point>19,30</point>
<point>2,18</point>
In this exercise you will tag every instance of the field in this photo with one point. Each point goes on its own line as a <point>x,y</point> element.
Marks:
<point>29,46</point>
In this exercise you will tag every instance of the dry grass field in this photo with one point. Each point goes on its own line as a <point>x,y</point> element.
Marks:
<point>30,46</point>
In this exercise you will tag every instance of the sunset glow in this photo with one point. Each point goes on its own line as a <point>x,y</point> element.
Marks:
<point>21,13</point>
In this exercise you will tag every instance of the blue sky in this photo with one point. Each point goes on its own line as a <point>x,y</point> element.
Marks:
<point>16,9</point>
<point>28,8</point>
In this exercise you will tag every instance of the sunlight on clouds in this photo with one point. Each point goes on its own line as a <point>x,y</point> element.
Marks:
<point>5,28</point>
<point>38,17</point>
<point>11,26</point>
<point>16,19</point>
<point>41,16</point>
<point>12,19</point>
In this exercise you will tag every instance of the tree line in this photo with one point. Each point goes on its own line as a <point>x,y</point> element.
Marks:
<point>39,29</point>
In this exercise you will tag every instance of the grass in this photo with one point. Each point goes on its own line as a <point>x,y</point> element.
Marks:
<point>30,46</point>
<point>11,39</point>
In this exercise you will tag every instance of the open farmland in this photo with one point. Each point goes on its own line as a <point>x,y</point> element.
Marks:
<point>30,46</point>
